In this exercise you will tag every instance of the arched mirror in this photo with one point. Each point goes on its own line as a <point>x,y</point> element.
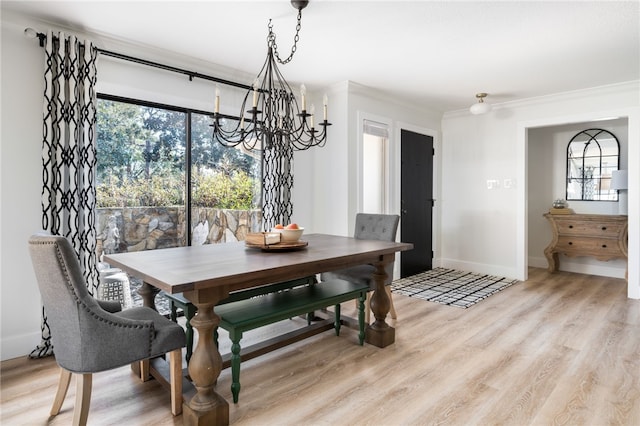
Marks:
<point>592,155</point>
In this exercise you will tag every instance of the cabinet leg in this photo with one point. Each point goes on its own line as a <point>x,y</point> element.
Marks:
<point>552,259</point>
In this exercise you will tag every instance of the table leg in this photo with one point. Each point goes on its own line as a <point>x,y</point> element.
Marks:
<point>148,294</point>
<point>206,407</point>
<point>379,333</point>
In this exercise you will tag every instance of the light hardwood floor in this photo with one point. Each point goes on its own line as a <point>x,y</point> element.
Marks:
<point>557,349</point>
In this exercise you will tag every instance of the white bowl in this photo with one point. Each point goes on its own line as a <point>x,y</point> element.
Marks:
<point>289,235</point>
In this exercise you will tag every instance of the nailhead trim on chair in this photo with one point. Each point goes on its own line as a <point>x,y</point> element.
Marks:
<point>86,308</point>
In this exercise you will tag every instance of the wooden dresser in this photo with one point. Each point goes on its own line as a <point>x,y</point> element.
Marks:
<point>601,236</point>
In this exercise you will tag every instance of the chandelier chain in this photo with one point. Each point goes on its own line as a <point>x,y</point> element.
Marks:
<point>271,40</point>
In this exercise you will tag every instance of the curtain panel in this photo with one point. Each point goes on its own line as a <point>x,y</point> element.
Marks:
<point>277,184</point>
<point>69,154</point>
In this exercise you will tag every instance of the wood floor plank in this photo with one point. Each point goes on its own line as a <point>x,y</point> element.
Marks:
<point>560,348</point>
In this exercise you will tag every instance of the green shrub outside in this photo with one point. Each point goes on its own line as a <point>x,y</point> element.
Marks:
<point>216,190</point>
<point>223,191</point>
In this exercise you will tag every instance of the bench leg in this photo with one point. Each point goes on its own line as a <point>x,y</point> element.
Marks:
<point>361,320</point>
<point>189,313</point>
<point>336,321</point>
<point>174,311</point>
<point>235,364</point>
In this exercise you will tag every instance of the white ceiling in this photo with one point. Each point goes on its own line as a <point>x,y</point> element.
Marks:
<point>435,53</point>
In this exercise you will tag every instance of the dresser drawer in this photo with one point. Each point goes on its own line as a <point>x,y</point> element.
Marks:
<point>599,248</point>
<point>585,227</point>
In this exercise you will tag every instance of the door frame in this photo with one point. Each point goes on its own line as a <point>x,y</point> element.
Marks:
<point>633,154</point>
<point>396,181</point>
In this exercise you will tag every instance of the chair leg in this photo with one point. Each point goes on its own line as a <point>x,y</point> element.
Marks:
<point>336,320</point>
<point>361,321</point>
<point>83,399</point>
<point>392,311</point>
<point>175,362</point>
<point>63,387</point>
<point>145,373</point>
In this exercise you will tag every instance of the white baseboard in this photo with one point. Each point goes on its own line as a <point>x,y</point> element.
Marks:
<point>478,268</point>
<point>19,346</point>
<point>602,269</point>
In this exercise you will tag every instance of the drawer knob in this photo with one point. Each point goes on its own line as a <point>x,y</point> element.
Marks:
<point>604,246</point>
<point>604,228</point>
<point>570,226</point>
<point>570,243</point>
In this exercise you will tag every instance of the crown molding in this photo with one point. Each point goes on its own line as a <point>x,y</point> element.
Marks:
<point>610,89</point>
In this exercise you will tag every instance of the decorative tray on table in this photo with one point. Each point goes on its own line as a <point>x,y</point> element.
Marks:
<point>268,241</point>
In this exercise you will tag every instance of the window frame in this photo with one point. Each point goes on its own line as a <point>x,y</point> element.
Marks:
<point>188,144</point>
<point>592,138</point>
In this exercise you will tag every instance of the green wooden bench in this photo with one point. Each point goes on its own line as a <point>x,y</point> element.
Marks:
<point>178,301</point>
<point>238,317</point>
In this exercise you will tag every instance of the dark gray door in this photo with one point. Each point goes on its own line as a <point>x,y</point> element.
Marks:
<point>416,201</point>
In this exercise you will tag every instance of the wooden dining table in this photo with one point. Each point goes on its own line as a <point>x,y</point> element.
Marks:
<point>207,274</point>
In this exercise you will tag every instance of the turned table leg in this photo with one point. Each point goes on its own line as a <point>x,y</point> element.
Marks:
<point>148,294</point>
<point>379,333</point>
<point>206,407</point>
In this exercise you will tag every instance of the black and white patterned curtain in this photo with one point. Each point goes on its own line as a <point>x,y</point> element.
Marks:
<point>69,154</point>
<point>277,183</point>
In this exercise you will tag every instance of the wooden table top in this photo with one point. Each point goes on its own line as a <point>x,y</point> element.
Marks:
<point>180,269</point>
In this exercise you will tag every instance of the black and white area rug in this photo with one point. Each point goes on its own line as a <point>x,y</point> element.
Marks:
<point>450,287</point>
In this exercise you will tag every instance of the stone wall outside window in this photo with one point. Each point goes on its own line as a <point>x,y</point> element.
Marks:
<point>147,228</point>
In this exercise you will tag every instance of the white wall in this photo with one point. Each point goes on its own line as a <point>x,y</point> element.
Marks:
<point>547,152</point>
<point>478,210</point>
<point>486,229</point>
<point>21,174</point>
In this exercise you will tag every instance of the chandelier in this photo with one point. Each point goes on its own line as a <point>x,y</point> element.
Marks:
<point>274,117</point>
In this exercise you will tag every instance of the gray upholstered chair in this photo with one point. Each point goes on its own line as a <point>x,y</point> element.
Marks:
<point>381,227</point>
<point>87,338</point>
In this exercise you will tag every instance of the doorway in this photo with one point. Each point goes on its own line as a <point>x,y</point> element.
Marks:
<point>416,201</point>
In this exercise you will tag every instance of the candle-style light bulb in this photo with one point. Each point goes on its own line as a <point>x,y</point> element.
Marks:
<point>303,94</point>
<point>256,84</point>
<point>217,104</point>
<point>325,102</point>
<point>312,111</point>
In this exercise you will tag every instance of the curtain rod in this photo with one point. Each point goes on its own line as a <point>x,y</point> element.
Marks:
<point>31,33</point>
